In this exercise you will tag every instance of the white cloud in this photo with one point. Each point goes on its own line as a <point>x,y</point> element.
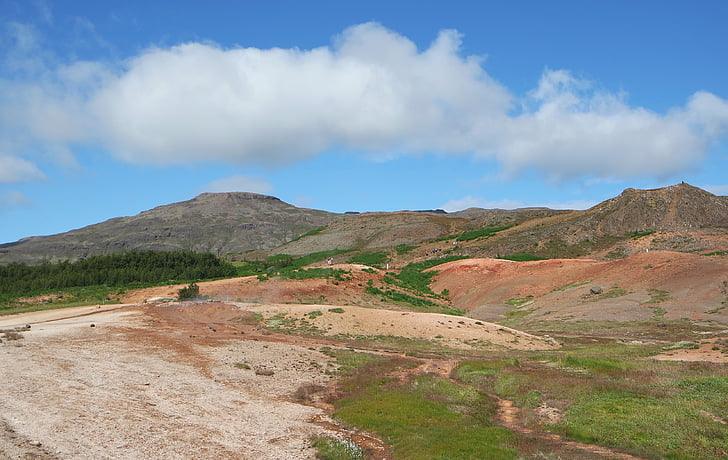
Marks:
<point>372,90</point>
<point>239,183</point>
<point>569,205</point>
<point>570,130</point>
<point>14,169</point>
<point>13,198</point>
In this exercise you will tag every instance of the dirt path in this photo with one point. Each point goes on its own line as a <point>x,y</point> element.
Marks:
<point>508,416</point>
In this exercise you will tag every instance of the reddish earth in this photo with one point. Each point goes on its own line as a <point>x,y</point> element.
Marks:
<point>203,380</point>
<point>685,286</point>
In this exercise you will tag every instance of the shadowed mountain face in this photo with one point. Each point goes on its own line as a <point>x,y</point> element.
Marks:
<point>684,217</point>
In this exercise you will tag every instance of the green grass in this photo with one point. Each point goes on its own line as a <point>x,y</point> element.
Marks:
<point>404,249</point>
<point>413,277</point>
<point>315,231</point>
<point>572,285</point>
<point>312,273</point>
<point>657,296</point>
<point>71,297</point>
<point>481,233</point>
<point>716,253</point>
<point>279,263</point>
<point>418,303</point>
<point>337,449</point>
<point>613,397</point>
<point>522,257</point>
<point>517,302</point>
<point>348,361</point>
<point>373,259</point>
<point>596,364</point>
<point>614,291</point>
<point>427,418</point>
<point>668,426</point>
<point>638,235</point>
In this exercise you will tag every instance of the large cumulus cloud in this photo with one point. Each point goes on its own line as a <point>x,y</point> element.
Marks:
<point>372,90</point>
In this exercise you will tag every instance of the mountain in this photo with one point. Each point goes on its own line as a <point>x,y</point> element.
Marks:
<point>678,218</point>
<point>220,223</point>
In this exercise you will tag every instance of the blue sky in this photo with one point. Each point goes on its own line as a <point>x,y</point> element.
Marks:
<point>111,108</point>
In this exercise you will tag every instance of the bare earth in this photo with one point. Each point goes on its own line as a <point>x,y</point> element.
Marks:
<point>185,380</point>
<point>122,389</point>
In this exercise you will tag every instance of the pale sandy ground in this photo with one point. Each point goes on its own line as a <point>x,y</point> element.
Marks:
<point>71,391</point>
<point>161,381</point>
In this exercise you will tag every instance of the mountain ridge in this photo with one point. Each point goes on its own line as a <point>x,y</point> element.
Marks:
<point>248,223</point>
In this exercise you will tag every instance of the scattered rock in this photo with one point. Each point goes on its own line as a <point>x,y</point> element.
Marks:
<point>93,325</point>
<point>596,290</point>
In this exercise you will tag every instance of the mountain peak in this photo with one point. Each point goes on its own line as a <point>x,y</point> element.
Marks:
<point>218,196</point>
<point>680,206</point>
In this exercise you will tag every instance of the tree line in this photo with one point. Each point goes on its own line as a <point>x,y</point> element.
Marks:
<point>113,270</point>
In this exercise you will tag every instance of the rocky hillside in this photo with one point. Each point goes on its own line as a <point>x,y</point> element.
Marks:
<point>678,218</point>
<point>372,231</point>
<point>220,223</point>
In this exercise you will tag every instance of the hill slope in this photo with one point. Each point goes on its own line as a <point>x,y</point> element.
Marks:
<point>219,223</point>
<point>680,217</point>
<point>677,218</point>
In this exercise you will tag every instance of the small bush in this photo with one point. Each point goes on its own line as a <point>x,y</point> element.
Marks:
<point>188,292</point>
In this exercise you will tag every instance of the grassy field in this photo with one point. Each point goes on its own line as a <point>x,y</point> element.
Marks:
<point>607,394</point>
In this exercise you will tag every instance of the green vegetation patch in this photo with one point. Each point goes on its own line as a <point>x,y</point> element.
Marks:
<point>328,448</point>
<point>716,253</point>
<point>481,233</point>
<point>420,304</point>
<point>404,249</point>
<point>315,231</point>
<point>519,301</point>
<point>596,364</point>
<point>638,235</point>
<point>413,277</point>
<point>18,279</point>
<point>609,395</point>
<point>672,426</point>
<point>657,296</point>
<point>312,273</point>
<point>188,292</point>
<point>573,285</point>
<point>348,361</point>
<point>522,257</point>
<point>429,418</point>
<point>279,263</point>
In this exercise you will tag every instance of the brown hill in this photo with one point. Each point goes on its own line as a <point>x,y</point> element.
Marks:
<point>677,218</point>
<point>648,286</point>
<point>219,223</point>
